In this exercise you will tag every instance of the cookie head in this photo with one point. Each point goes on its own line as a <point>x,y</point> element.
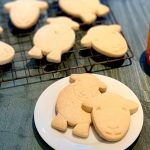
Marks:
<point>95,32</point>
<point>106,40</point>
<point>112,126</point>
<point>25,13</point>
<point>86,87</point>
<point>111,117</point>
<point>88,79</point>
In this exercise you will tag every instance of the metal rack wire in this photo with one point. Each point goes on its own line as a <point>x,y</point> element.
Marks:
<point>24,70</point>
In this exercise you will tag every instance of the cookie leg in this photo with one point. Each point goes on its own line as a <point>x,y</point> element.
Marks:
<point>36,53</point>
<point>54,56</point>
<point>59,123</point>
<point>81,130</point>
<point>88,105</point>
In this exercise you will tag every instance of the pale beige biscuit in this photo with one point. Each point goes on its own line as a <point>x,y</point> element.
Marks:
<point>112,114</point>
<point>7,53</point>
<point>69,103</point>
<point>86,10</point>
<point>25,13</point>
<point>1,29</point>
<point>54,39</point>
<point>106,39</point>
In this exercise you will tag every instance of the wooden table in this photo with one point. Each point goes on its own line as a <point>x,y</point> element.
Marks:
<point>17,128</point>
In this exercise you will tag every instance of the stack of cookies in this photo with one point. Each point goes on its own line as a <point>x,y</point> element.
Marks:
<point>85,101</point>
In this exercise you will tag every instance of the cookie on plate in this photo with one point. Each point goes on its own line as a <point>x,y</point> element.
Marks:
<point>69,103</point>
<point>54,39</point>
<point>112,114</point>
<point>25,13</point>
<point>86,10</point>
<point>106,39</point>
<point>7,53</point>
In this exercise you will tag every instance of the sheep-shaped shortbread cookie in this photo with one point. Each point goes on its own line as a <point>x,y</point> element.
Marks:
<point>106,39</point>
<point>54,39</point>
<point>111,114</point>
<point>69,103</point>
<point>25,13</point>
<point>86,10</point>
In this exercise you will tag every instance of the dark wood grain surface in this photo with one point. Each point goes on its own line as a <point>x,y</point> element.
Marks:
<point>17,129</point>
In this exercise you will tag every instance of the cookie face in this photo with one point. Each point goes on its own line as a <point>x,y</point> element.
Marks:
<point>86,10</point>
<point>111,116</point>
<point>25,13</point>
<point>106,40</point>
<point>7,53</point>
<point>49,40</point>
<point>111,130</point>
<point>69,103</point>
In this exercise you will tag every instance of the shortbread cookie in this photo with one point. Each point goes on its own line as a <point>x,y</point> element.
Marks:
<point>111,117</point>
<point>54,39</point>
<point>69,102</point>
<point>1,29</point>
<point>7,53</point>
<point>86,10</point>
<point>106,39</point>
<point>25,13</point>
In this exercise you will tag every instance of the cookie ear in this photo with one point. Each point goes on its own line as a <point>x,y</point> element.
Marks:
<point>42,5</point>
<point>91,103</point>
<point>131,105</point>
<point>102,87</point>
<point>115,27</point>
<point>8,6</point>
<point>86,41</point>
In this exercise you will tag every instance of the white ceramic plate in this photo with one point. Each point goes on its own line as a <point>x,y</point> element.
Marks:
<point>45,112</point>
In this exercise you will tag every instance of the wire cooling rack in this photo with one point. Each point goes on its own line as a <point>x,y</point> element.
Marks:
<point>24,70</point>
